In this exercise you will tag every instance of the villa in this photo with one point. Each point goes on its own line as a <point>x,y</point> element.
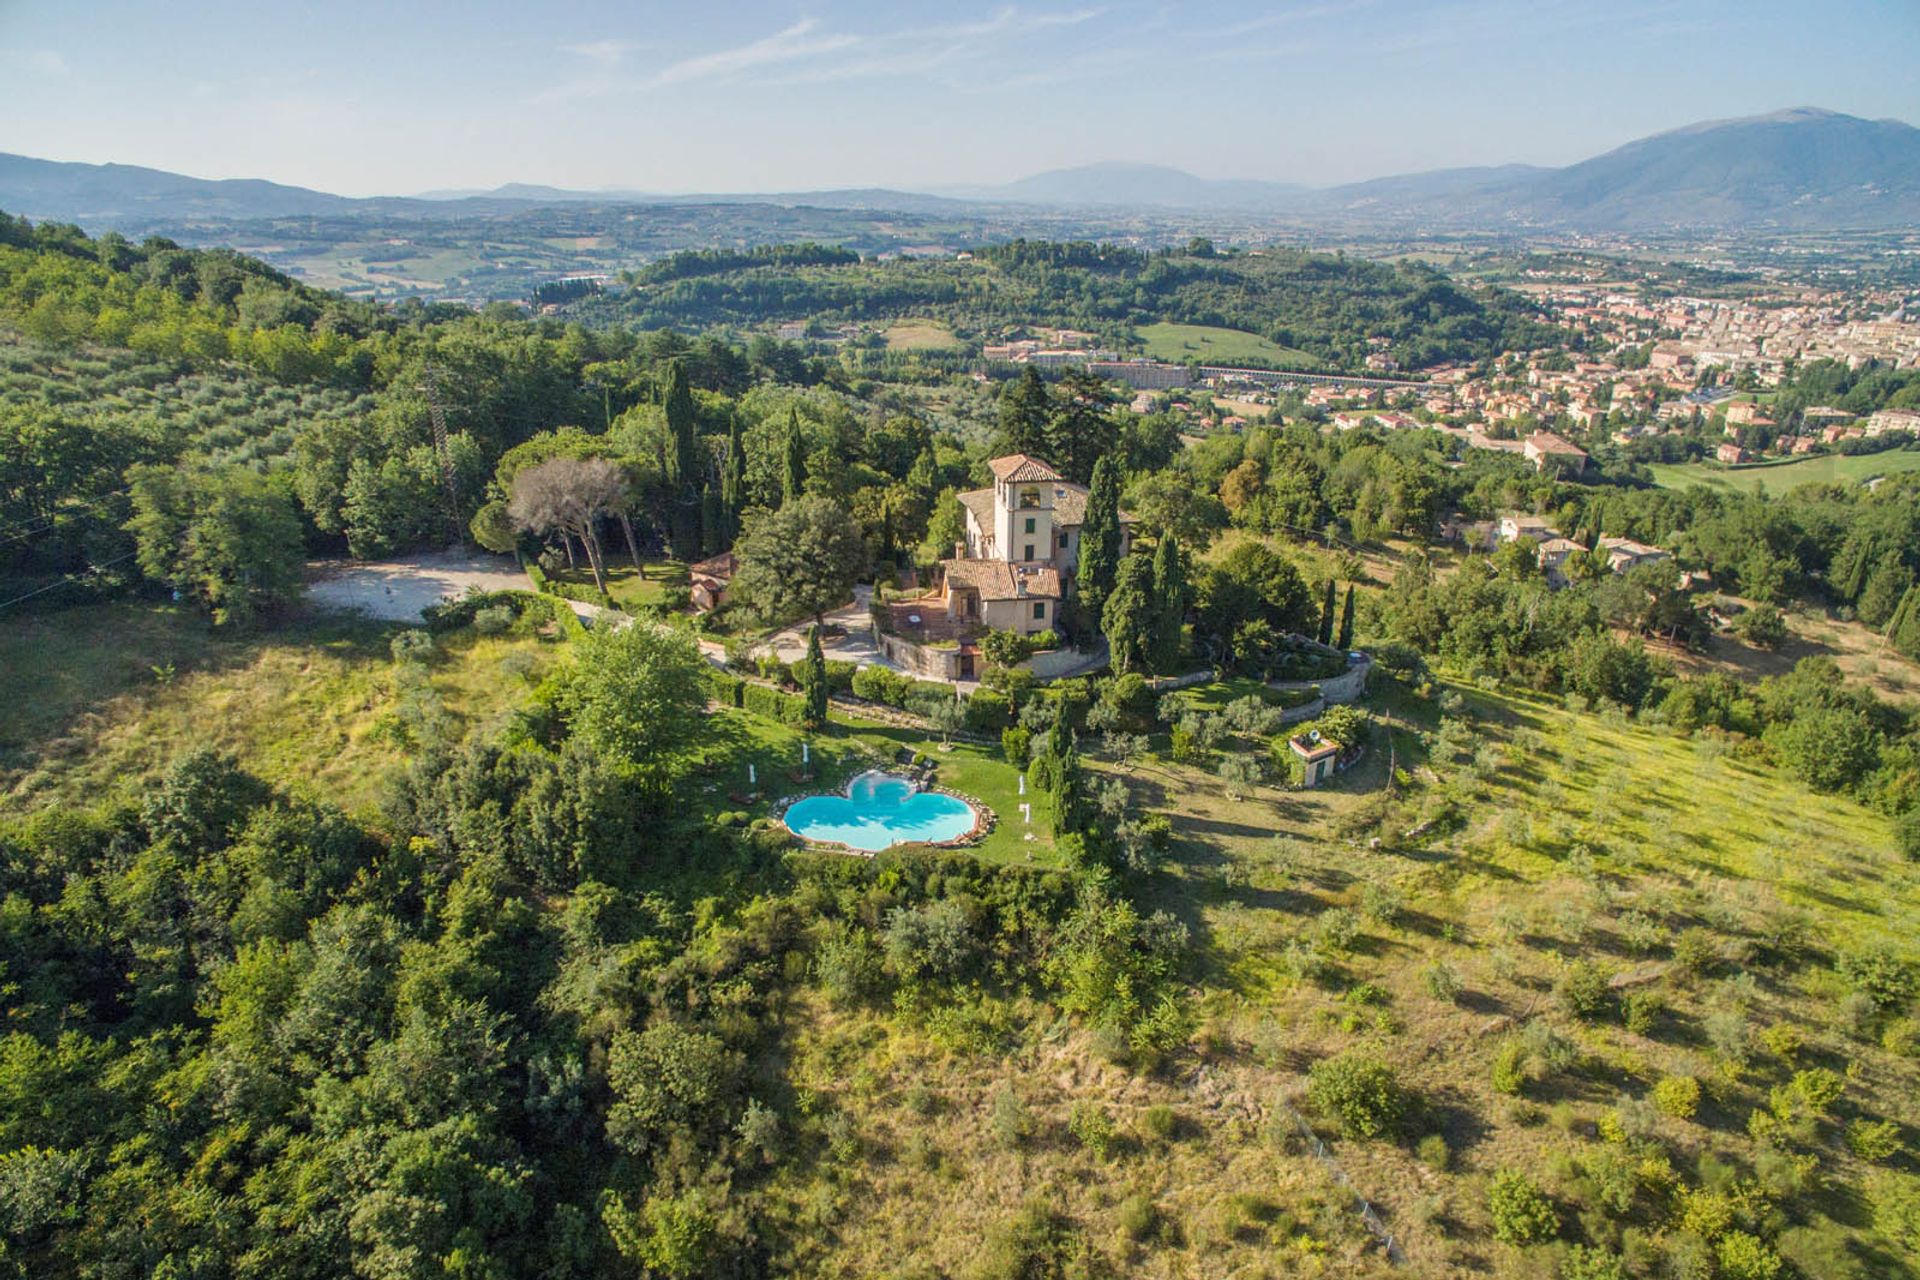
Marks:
<point>1009,574</point>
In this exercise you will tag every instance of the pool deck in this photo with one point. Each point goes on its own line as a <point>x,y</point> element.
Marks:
<point>983,817</point>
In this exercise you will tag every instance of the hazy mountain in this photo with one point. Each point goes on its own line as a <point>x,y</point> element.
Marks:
<point>1136,186</point>
<point>112,194</point>
<point>1803,168</point>
<point>1799,168</point>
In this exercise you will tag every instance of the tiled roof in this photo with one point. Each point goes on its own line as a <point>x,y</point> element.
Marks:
<point>1549,443</point>
<point>980,503</point>
<point>1019,466</point>
<point>998,580</point>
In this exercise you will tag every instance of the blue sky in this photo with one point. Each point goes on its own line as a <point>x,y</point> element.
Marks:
<point>394,97</point>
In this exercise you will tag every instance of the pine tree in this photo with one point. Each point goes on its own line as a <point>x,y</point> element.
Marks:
<point>1025,411</point>
<point>1099,543</point>
<point>793,474</point>
<point>1171,597</point>
<point>1325,635</point>
<point>813,676</point>
<point>1346,620</point>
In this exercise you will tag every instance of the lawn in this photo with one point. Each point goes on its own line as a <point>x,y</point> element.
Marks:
<point>850,746</point>
<point>1780,476</point>
<point>1208,344</point>
<point>630,590</point>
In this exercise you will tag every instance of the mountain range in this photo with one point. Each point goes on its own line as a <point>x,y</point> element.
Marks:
<point>1801,169</point>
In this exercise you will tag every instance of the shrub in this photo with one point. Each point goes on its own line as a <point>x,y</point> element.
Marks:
<point>1677,1096</point>
<point>1583,990</point>
<point>1092,1126</point>
<point>1361,1093</point>
<point>1160,1122</point>
<point>1641,1011</point>
<point>1896,1209</point>
<point>1015,744</point>
<point>1881,975</point>
<point>1743,1256</point>
<point>1783,1040</point>
<point>1591,1262</point>
<point>1521,1212</point>
<point>492,620</point>
<point>878,684</point>
<point>1012,1119</point>
<point>1435,1153</point>
<point>1510,1068</point>
<point>1906,834</point>
<point>1695,952</point>
<point>1139,1217</point>
<point>1442,981</point>
<point>1874,1139</point>
<point>412,646</point>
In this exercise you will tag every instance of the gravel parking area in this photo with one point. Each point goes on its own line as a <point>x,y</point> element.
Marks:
<point>398,590</point>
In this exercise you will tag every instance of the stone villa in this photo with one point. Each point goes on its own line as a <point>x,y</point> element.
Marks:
<point>1011,573</point>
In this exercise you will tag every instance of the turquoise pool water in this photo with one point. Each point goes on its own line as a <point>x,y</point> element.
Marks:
<point>880,810</point>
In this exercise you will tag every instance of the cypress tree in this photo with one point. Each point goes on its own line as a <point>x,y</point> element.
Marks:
<point>712,523</point>
<point>793,473</point>
<point>1131,616</point>
<point>1325,635</point>
<point>682,461</point>
<point>683,467</point>
<point>1171,597</point>
<point>1903,630</point>
<point>733,479</point>
<point>1346,620</point>
<point>1099,543</point>
<point>814,678</point>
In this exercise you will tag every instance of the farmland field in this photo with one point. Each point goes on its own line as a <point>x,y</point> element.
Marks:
<point>1207,344</point>
<point>1781,476</point>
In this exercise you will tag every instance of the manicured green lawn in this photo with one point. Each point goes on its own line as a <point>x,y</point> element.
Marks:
<point>850,746</point>
<point>631,590</point>
<point>1782,476</point>
<point>1209,344</point>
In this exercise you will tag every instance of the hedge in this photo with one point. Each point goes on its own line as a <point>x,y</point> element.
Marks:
<point>989,711</point>
<point>454,614</point>
<point>785,708</point>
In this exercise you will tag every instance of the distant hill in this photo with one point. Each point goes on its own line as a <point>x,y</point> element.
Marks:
<point>1798,169</point>
<point>101,194</point>
<point>1137,186</point>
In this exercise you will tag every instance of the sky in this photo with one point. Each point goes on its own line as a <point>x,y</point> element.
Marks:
<point>396,98</point>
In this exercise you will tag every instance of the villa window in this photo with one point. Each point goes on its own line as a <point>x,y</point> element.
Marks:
<point>1029,497</point>
<point>1040,610</point>
<point>1029,552</point>
<point>1063,542</point>
<point>1029,524</point>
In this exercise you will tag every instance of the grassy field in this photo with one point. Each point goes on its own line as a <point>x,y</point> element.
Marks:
<point>920,335</point>
<point>1781,476</point>
<point>1207,344</point>
<point>1538,835</point>
<point>104,696</point>
<point>1577,836</point>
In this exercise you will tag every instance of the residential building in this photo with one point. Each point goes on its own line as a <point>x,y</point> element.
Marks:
<point>1545,449</point>
<point>1624,553</point>
<point>1318,756</point>
<point>1554,554</point>
<point>1732,454</point>
<point>1514,527</point>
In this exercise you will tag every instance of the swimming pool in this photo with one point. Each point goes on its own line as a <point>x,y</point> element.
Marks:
<point>880,810</point>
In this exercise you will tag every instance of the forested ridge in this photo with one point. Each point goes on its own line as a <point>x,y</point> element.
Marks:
<point>1323,304</point>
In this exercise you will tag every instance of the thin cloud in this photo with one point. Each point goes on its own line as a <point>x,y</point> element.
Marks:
<point>606,53</point>
<point>791,45</point>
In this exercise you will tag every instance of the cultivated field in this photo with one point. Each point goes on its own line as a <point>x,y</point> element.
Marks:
<point>1778,477</point>
<point>1179,343</point>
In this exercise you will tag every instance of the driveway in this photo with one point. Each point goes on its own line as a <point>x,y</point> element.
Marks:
<point>854,643</point>
<point>398,590</point>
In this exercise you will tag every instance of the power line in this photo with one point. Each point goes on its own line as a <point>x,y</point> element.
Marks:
<point>68,581</point>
